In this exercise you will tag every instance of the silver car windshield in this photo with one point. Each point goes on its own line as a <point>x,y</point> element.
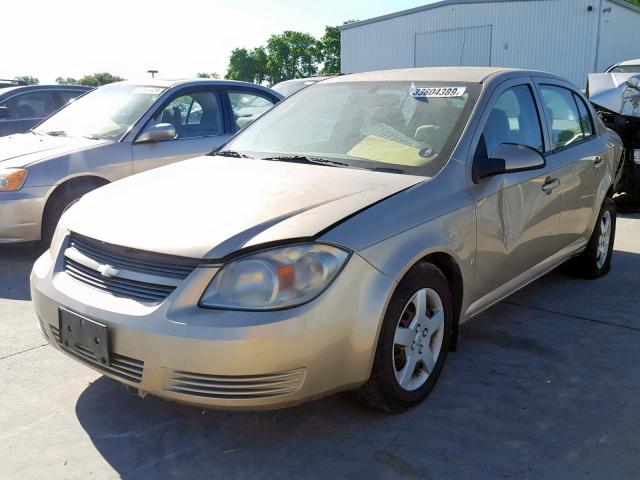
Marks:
<point>105,113</point>
<point>625,69</point>
<point>401,127</point>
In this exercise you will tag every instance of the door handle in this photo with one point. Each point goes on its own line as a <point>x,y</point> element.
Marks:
<point>550,184</point>
<point>597,163</point>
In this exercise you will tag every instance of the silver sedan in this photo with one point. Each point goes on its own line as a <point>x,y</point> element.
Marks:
<point>337,243</point>
<point>111,133</point>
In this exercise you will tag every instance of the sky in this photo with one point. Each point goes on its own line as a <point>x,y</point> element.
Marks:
<point>69,38</point>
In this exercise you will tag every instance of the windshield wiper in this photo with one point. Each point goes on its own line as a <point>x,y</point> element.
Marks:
<point>231,153</point>
<point>305,159</point>
<point>93,136</point>
<point>57,133</point>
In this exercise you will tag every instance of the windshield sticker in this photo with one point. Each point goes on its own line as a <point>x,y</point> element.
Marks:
<point>148,90</point>
<point>436,92</point>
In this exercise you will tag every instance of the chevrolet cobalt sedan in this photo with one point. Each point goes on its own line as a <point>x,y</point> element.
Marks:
<point>113,132</point>
<point>337,243</point>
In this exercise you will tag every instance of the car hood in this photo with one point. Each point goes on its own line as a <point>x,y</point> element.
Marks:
<point>613,92</point>
<point>209,207</point>
<point>27,148</point>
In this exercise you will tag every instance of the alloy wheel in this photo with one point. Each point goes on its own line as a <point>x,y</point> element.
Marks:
<point>604,239</point>
<point>418,339</point>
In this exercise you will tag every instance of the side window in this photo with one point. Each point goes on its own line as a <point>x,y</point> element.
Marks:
<point>67,95</point>
<point>37,104</point>
<point>514,119</point>
<point>247,107</point>
<point>562,113</point>
<point>197,114</point>
<point>586,122</point>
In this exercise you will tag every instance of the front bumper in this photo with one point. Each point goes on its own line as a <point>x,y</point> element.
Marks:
<point>21,214</point>
<point>227,359</point>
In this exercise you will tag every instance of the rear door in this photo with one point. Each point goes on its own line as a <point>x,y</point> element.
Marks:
<point>517,213</point>
<point>581,152</point>
<point>202,122</point>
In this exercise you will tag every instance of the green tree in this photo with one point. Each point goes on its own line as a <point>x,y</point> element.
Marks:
<point>330,47</point>
<point>247,66</point>
<point>292,55</point>
<point>97,79</point>
<point>635,2</point>
<point>27,80</point>
<point>66,81</point>
<point>213,75</point>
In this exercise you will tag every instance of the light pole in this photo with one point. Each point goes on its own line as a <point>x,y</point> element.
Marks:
<point>153,73</point>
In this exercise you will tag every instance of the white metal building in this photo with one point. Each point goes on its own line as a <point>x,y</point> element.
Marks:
<point>568,37</point>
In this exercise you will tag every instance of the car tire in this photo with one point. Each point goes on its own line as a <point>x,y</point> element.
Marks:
<point>61,201</point>
<point>411,335</point>
<point>595,261</point>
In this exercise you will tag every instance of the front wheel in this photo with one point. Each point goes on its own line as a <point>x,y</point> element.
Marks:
<point>595,261</point>
<point>413,341</point>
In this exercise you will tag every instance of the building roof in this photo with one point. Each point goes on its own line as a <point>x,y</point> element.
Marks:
<point>444,3</point>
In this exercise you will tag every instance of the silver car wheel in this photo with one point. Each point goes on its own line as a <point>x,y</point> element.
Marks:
<point>604,239</point>
<point>418,339</point>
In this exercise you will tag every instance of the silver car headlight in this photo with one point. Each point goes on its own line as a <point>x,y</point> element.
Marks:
<point>275,279</point>
<point>12,179</point>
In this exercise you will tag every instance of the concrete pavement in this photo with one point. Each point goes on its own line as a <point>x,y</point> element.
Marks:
<point>544,385</point>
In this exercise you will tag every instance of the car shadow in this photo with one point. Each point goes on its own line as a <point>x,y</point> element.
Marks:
<point>522,397</point>
<point>16,262</point>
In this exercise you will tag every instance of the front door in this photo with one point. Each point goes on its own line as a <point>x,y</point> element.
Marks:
<point>199,119</point>
<point>517,213</point>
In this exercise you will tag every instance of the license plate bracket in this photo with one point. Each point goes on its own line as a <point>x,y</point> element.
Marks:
<point>78,332</point>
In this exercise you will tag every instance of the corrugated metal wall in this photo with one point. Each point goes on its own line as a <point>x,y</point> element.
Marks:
<point>619,35</point>
<point>553,35</point>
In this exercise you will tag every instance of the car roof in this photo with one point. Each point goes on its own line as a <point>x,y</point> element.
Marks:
<point>438,74</point>
<point>307,79</point>
<point>18,88</point>
<point>170,83</point>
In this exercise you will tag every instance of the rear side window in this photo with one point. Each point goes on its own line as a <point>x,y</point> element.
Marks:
<point>514,119</point>
<point>248,107</point>
<point>562,114</point>
<point>586,122</point>
<point>68,95</point>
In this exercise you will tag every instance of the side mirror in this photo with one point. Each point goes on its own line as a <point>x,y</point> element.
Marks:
<point>508,158</point>
<point>5,112</point>
<point>157,133</point>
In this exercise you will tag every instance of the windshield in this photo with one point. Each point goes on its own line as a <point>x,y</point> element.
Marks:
<point>106,113</point>
<point>398,127</point>
<point>625,69</point>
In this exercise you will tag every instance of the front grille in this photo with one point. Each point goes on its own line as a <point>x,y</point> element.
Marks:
<point>124,367</point>
<point>236,387</point>
<point>141,276</point>
<point>142,291</point>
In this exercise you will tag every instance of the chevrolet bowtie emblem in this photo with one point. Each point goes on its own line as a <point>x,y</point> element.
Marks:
<point>108,271</point>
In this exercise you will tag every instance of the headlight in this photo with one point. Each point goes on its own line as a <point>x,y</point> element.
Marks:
<point>12,179</point>
<point>274,279</point>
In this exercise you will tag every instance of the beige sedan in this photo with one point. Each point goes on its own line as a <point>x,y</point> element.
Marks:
<point>337,243</point>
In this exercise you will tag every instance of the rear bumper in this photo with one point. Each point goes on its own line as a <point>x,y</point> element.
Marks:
<point>21,214</point>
